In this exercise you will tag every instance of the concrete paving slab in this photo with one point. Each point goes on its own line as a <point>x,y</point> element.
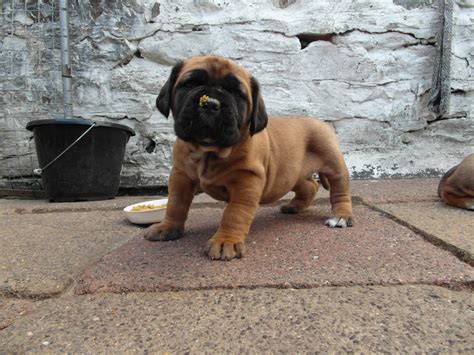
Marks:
<point>24,206</point>
<point>397,190</point>
<point>403,319</point>
<point>11,309</point>
<point>27,206</point>
<point>41,254</point>
<point>450,227</point>
<point>282,251</point>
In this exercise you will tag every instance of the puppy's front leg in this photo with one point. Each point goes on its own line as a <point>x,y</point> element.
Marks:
<point>181,193</point>
<point>228,242</point>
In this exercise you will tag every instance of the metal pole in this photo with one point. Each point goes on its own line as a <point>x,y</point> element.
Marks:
<point>65,58</point>
<point>441,87</point>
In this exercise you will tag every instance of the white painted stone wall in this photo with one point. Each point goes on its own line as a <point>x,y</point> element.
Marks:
<point>364,66</point>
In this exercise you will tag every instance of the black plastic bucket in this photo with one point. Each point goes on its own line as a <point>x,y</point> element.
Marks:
<point>90,168</point>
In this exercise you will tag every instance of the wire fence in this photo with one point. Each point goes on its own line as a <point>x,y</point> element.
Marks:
<point>30,85</point>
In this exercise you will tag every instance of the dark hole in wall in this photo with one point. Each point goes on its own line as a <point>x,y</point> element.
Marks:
<point>155,10</point>
<point>138,54</point>
<point>413,4</point>
<point>282,4</point>
<point>306,38</point>
<point>150,148</point>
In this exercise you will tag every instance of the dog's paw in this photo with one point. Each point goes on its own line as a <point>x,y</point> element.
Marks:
<point>221,248</point>
<point>161,232</point>
<point>340,221</point>
<point>470,205</point>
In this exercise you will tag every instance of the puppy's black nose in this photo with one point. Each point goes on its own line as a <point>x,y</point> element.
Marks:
<point>211,104</point>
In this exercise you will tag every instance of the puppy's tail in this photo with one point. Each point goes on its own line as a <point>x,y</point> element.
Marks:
<point>324,181</point>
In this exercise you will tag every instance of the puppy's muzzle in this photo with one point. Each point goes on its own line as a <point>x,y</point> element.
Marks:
<point>209,104</point>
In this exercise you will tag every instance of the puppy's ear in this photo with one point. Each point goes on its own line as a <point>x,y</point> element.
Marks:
<point>164,100</point>
<point>258,116</point>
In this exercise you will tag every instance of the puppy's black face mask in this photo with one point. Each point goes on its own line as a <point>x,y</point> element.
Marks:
<point>210,111</point>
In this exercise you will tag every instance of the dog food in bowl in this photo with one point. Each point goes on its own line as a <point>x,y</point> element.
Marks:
<point>146,212</point>
<point>146,207</point>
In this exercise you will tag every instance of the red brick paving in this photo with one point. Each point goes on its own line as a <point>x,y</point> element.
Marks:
<point>282,251</point>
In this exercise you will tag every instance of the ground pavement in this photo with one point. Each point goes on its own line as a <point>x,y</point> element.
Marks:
<point>75,277</point>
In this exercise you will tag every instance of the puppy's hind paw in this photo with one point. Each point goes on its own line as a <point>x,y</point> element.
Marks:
<point>288,209</point>
<point>339,221</point>
<point>470,205</point>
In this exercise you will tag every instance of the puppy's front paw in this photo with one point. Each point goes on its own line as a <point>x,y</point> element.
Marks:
<point>340,221</point>
<point>161,232</point>
<point>225,248</point>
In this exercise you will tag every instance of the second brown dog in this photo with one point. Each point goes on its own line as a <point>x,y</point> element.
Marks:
<point>456,187</point>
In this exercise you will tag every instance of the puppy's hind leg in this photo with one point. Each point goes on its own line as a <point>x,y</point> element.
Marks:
<point>305,191</point>
<point>340,198</point>
<point>453,199</point>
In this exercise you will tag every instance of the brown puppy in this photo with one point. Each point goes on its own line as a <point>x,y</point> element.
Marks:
<point>456,188</point>
<point>225,148</point>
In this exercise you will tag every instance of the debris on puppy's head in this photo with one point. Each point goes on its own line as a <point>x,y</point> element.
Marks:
<point>203,100</point>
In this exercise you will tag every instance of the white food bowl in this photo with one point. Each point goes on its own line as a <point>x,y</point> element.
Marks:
<point>147,216</point>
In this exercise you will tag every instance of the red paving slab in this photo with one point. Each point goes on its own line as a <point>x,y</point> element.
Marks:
<point>397,190</point>
<point>282,251</point>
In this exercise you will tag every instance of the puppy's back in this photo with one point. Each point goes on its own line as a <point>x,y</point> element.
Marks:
<point>300,128</point>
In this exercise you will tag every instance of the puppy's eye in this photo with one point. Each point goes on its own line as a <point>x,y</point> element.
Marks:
<point>240,93</point>
<point>188,84</point>
<point>236,91</point>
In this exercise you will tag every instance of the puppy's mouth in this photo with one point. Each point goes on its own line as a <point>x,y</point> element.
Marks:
<point>209,143</point>
<point>220,152</point>
<point>208,137</point>
<point>206,142</point>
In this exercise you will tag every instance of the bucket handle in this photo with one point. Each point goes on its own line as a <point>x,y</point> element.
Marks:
<point>39,171</point>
